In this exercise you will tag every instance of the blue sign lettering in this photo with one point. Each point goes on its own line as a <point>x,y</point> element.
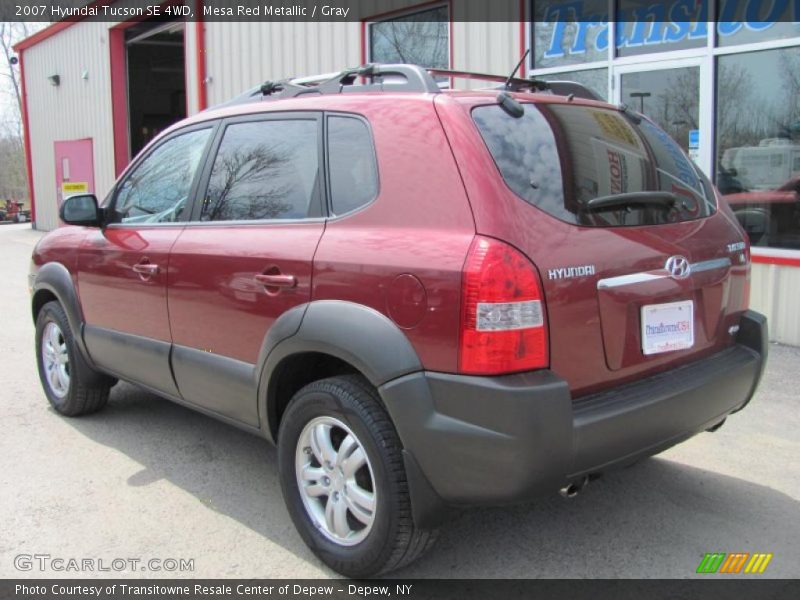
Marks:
<point>655,25</point>
<point>601,41</point>
<point>560,15</point>
<point>758,22</point>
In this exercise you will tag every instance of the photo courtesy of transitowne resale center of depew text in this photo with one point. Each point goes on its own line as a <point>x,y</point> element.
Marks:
<point>400,299</point>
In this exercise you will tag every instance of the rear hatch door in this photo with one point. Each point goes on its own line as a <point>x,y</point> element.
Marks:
<point>640,269</point>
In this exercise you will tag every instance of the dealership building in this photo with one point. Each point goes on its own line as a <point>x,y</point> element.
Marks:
<point>722,78</point>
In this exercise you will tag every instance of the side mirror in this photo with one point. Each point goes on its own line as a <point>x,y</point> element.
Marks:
<point>81,210</point>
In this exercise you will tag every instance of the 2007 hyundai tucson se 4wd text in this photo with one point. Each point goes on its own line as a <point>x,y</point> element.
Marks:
<point>425,298</point>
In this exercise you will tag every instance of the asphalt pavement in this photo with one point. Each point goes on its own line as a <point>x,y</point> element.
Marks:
<point>146,479</point>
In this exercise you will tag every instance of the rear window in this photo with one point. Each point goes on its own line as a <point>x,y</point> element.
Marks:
<point>560,157</point>
<point>351,163</point>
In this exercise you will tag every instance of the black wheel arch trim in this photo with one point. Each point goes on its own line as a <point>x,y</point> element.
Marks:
<point>754,333</point>
<point>55,278</point>
<point>284,327</point>
<point>356,334</point>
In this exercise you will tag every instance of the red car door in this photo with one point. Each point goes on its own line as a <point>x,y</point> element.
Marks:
<point>246,257</point>
<point>124,267</point>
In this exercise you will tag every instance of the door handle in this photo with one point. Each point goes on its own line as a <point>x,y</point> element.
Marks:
<point>276,280</point>
<point>145,269</point>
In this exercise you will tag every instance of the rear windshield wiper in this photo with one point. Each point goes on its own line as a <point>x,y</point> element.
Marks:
<point>664,199</point>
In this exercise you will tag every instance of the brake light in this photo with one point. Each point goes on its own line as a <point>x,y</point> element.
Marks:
<point>503,326</point>
<point>746,291</point>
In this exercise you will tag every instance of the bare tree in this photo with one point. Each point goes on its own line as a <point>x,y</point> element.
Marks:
<point>787,118</point>
<point>13,181</point>
<point>246,184</point>
<point>10,34</point>
<point>411,40</point>
<point>735,107</point>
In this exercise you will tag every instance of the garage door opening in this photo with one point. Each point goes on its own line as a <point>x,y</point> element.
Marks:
<point>156,72</point>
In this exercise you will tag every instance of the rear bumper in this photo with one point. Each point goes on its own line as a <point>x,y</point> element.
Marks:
<point>497,440</point>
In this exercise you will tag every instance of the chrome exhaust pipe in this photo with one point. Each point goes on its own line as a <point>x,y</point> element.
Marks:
<point>573,489</point>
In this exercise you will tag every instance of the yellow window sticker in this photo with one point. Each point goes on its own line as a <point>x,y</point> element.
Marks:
<point>75,187</point>
<point>615,127</point>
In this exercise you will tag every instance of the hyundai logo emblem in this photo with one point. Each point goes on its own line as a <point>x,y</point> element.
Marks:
<point>678,267</point>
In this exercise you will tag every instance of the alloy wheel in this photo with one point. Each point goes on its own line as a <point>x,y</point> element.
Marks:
<point>336,480</point>
<point>55,359</point>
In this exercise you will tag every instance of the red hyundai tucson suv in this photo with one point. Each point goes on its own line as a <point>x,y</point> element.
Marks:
<point>426,298</point>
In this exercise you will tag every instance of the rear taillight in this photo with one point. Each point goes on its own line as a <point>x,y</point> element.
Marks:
<point>746,291</point>
<point>503,327</point>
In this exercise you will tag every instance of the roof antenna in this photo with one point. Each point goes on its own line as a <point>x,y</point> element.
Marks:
<point>516,69</point>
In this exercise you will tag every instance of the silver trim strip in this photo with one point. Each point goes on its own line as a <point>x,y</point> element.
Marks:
<point>630,279</point>
<point>633,278</point>
<point>710,265</point>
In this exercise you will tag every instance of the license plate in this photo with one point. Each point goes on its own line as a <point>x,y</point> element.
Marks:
<point>667,327</point>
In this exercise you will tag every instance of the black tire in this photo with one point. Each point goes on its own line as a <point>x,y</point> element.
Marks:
<point>394,540</point>
<point>87,390</point>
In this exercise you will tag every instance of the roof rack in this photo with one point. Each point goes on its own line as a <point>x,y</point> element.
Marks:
<point>513,84</point>
<point>399,78</point>
<point>518,84</point>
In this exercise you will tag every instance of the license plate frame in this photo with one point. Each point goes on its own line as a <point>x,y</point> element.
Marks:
<point>667,327</point>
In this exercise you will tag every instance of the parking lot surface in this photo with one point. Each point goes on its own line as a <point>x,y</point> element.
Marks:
<point>147,479</point>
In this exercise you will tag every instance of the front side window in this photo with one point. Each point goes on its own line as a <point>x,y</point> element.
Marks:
<point>265,170</point>
<point>421,38</point>
<point>351,162</point>
<point>157,190</point>
<point>758,143</point>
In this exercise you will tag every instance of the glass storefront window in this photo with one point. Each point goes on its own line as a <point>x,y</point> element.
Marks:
<point>748,21</point>
<point>758,143</point>
<point>420,38</point>
<point>576,32</point>
<point>569,33</point>
<point>671,97</point>
<point>644,26</point>
<point>594,79</point>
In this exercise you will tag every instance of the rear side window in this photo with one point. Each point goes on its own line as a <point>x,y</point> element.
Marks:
<point>351,162</point>
<point>265,170</point>
<point>560,157</point>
